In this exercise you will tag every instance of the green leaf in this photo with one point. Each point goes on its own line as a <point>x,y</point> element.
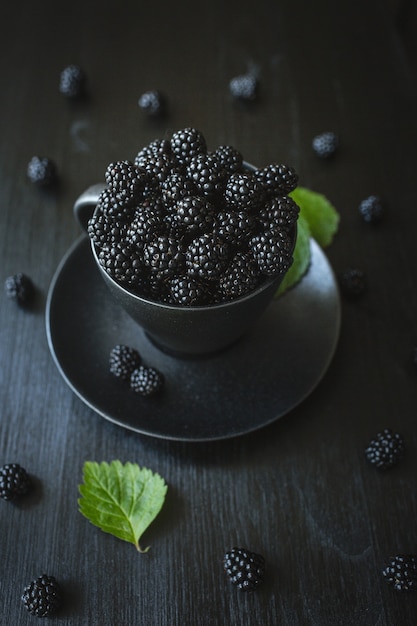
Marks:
<point>301,255</point>
<point>122,500</point>
<point>322,217</point>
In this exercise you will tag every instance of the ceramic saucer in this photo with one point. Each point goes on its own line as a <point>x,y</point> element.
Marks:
<point>243,388</point>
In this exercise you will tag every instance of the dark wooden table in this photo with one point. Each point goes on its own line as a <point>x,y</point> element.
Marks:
<point>298,491</point>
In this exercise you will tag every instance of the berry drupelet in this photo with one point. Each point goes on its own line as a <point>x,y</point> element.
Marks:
<point>400,572</point>
<point>14,481</point>
<point>386,449</point>
<point>245,569</point>
<point>43,596</point>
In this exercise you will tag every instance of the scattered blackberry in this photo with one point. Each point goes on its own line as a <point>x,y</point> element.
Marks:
<point>386,449</point>
<point>194,214</point>
<point>152,102</point>
<point>146,381</point>
<point>325,144</point>
<point>244,87</point>
<point>353,283</point>
<point>164,255</point>
<point>14,481</point>
<point>123,360</point>
<point>42,171</point>
<point>243,192</point>
<point>245,569</point>
<point>125,180</point>
<point>273,252</point>
<point>72,81</point>
<point>240,277</point>
<point>229,158</point>
<point>400,572</point>
<point>206,257</point>
<point>277,178</point>
<point>371,209</point>
<point>43,596</point>
<point>19,287</point>
<point>185,291</point>
<point>187,143</point>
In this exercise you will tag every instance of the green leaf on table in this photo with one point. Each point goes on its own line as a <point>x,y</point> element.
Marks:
<point>322,217</point>
<point>120,499</point>
<point>301,256</point>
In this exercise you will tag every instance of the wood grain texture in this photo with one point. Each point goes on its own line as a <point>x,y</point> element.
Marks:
<point>298,491</point>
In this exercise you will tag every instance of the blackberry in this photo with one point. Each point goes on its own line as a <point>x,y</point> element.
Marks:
<point>113,207</point>
<point>235,227</point>
<point>188,143</point>
<point>19,287</point>
<point>146,225</point>
<point>14,481</point>
<point>353,283</point>
<point>229,158</point>
<point>124,263</point>
<point>152,102</point>
<point>175,187</point>
<point>273,252</point>
<point>243,192</point>
<point>207,174</point>
<point>146,381</point>
<point>125,180</point>
<point>105,232</point>
<point>400,572</point>
<point>185,291</point>
<point>164,255</point>
<point>244,87</point>
<point>279,212</point>
<point>42,171</point>
<point>43,596</point>
<point>325,144</point>
<point>155,147</point>
<point>245,569</point>
<point>157,166</point>
<point>371,209</point>
<point>72,81</point>
<point>206,257</point>
<point>277,178</point>
<point>194,214</point>
<point>240,277</point>
<point>123,360</point>
<point>385,450</point>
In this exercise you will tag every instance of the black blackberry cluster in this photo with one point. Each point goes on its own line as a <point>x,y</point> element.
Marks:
<point>325,144</point>
<point>43,596</point>
<point>72,81</point>
<point>14,481</point>
<point>400,572</point>
<point>187,226</point>
<point>126,363</point>
<point>245,569</point>
<point>371,210</point>
<point>19,287</point>
<point>386,449</point>
<point>42,171</point>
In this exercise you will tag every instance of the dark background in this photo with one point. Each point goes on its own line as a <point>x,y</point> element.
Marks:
<point>299,491</point>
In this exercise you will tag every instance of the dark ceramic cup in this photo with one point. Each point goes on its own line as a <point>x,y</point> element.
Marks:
<point>183,331</point>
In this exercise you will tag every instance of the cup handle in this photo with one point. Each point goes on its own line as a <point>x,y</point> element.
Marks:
<point>85,204</point>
